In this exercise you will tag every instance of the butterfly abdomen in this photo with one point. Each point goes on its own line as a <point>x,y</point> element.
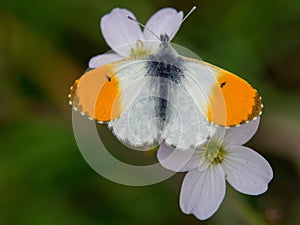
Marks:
<point>165,68</point>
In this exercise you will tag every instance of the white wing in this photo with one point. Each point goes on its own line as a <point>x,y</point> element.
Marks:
<point>186,127</point>
<point>136,125</point>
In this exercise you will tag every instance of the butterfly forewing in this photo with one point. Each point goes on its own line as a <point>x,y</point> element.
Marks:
<point>224,98</point>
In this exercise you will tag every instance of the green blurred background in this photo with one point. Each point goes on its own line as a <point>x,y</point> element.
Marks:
<point>46,45</point>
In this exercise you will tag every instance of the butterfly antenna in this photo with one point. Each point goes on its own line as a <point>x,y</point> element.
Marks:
<point>132,19</point>
<point>186,16</point>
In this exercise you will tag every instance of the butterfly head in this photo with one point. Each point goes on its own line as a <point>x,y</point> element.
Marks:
<point>165,40</point>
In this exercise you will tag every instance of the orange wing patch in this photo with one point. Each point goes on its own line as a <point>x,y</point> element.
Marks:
<point>233,101</point>
<point>97,94</point>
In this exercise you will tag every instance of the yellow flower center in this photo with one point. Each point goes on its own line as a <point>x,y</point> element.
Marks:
<point>139,49</point>
<point>214,152</point>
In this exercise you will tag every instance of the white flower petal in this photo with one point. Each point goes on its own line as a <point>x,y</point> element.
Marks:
<point>177,160</point>
<point>101,60</point>
<point>241,134</point>
<point>119,32</point>
<point>246,170</point>
<point>164,21</point>
<point>202,192</point>
<point>203,164</point>
<point>218,134</point>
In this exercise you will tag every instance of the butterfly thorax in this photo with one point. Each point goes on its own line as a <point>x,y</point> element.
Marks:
<point>165,63</point>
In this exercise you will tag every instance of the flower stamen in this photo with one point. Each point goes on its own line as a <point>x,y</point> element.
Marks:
<point>214,152</point>
<point>139,49</point>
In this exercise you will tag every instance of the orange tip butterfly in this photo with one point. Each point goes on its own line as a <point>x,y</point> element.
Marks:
<point>164,96</point>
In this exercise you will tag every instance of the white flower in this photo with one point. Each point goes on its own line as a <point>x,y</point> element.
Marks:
<point>126,38</point>
<point>222,157</point>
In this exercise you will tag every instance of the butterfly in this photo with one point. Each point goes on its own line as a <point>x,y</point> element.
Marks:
<point>164,97</point>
